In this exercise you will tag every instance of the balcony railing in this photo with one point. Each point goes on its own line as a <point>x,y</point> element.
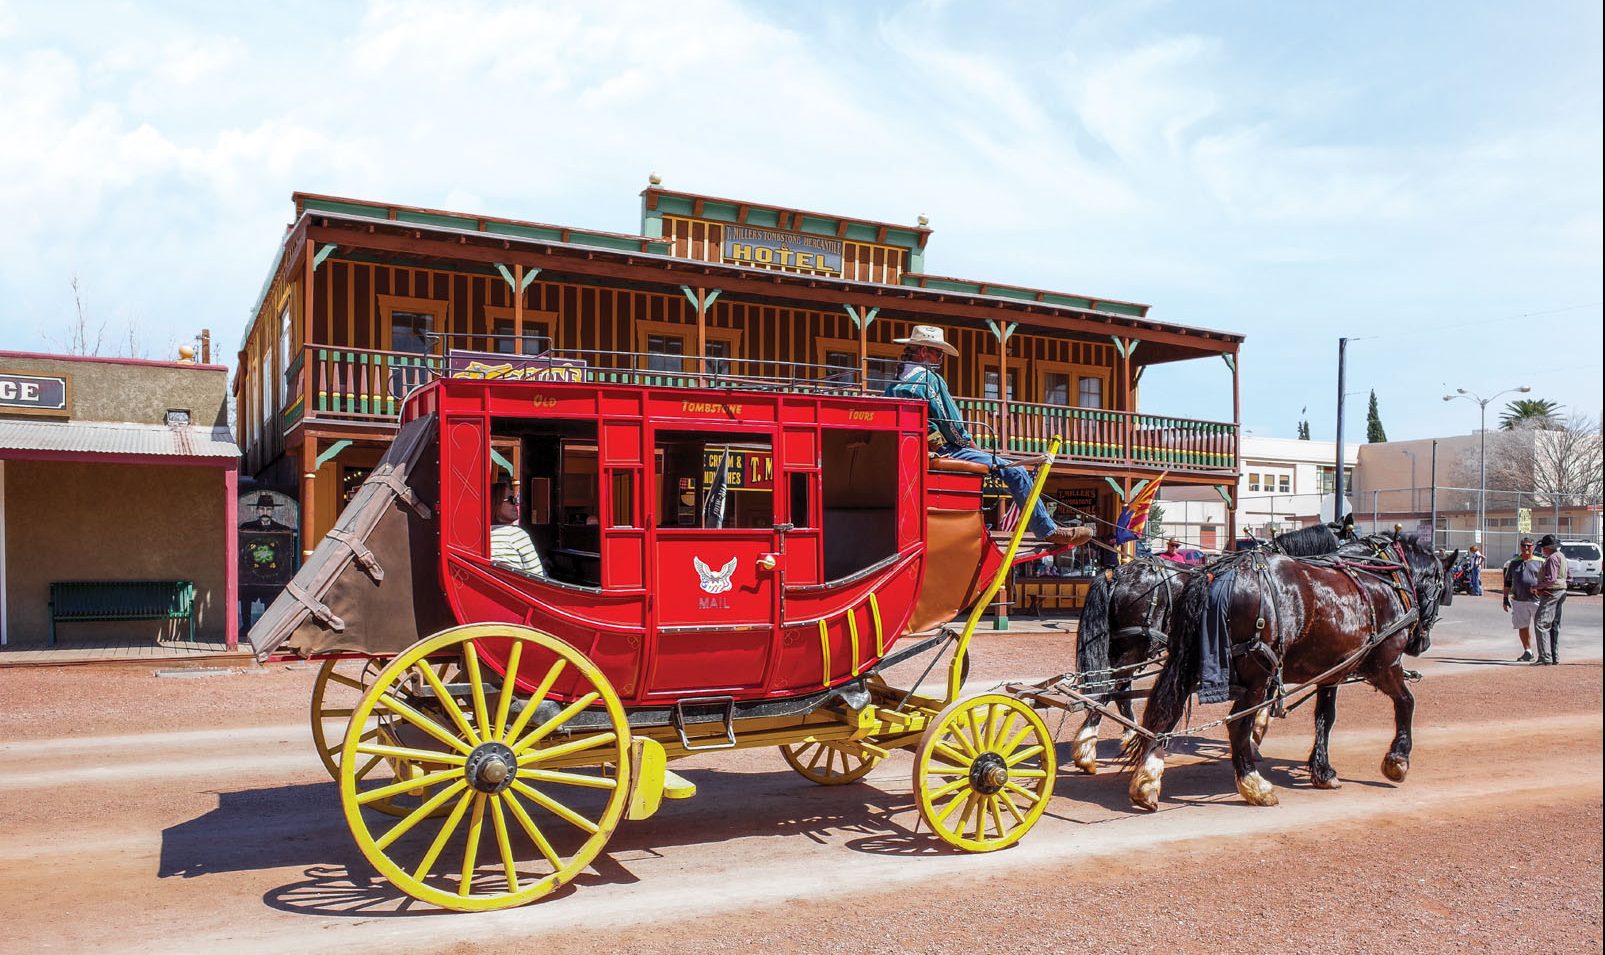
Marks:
<point>352,384</point>
<point>1116,437</point>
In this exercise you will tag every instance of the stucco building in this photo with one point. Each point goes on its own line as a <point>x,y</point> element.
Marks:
<point>114,470</point>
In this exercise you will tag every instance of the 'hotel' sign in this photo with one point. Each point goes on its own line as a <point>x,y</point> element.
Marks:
<point>744,245</point>
<point>35,394</point>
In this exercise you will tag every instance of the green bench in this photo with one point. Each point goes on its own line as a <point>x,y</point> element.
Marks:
<point>74,601</point>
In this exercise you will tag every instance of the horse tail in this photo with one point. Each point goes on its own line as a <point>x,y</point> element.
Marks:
<point>1093,630</point>
<point>1167,702</point>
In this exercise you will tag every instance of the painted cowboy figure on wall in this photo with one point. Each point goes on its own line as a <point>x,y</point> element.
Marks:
<point>267,550</point>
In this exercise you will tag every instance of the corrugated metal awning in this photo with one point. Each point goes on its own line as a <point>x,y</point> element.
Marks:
<point>117,437</point>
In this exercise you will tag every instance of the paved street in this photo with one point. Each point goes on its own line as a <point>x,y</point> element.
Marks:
<point>144,814</point>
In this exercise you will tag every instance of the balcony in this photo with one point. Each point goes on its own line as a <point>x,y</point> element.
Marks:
<point>1124,438</point>
<point>366,385</point>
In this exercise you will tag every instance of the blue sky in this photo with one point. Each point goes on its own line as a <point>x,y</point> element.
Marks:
<point>1423,176</point>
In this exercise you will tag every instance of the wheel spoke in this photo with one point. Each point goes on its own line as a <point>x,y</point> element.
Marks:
<point>956,733</point>
<point>1014,740</point>
<point>418,815</point>
<point>1024,754</point>
<point>955,757</point>
<point>476,686</point>
<point>951,787</point>
<point>504,701</point>
<point>983,735</point>
<point>499,822</point>
<point>340,678</point>
<point>556,808</point>
<point>535,701</point>
<point>568,779</point>
<point>330,714</point>
<point>997,814</point>
<point>367,768</point>
<point>819,754</point>
<point>1028,773</point>
<point>569,749</point>
<point>446,829</point>
<point>563,716</point>
<point>476,827</point>
<point>405,786</point>
<point>424,723</point>
<point>961,799</point>
<point>1019,817</point>
<point>1033,798</point>
<point>413,755</point>
<point>532,830</point>
<point>448,703</point>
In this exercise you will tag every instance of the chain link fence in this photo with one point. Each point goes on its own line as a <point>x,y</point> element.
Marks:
<point>1508,516</point>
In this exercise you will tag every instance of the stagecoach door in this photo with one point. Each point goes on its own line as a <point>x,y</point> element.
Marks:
<point>716,599</point>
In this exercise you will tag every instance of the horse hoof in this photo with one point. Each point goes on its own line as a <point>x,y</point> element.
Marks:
<point>1329,781</point>
<point>1127,737</point>
<point>1084,751</point>
<point>1395,767</point>
<point>1145,783</point>
<point>1256,791</point>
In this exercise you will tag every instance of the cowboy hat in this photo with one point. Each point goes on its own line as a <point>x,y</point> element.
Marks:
<point>928,336</point>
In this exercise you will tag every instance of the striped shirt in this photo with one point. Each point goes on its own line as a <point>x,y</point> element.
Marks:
<point>511,547</point>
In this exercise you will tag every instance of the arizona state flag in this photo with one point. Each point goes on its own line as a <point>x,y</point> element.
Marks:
<point>1134,516</point>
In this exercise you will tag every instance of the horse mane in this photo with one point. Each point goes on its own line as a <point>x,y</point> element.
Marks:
<point>1092,630</point>
<point>1312,541</point>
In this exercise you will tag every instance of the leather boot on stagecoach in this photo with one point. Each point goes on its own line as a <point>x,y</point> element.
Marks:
<point>1063,536</point>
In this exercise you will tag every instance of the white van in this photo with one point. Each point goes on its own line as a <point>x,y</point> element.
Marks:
<point>1582,565</point>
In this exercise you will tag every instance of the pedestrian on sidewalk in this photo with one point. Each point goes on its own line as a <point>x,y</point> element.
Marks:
<point>1551,590</point>
<point>1521,576</point>
<point>1475,561</point>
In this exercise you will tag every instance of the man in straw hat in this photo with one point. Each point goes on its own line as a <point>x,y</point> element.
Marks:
<point>918,378</point>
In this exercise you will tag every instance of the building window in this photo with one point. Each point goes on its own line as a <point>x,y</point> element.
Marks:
<point>718,357</point>
<point>284,358</point>
<point>537,337</point>
<point>839,356</point>
<point>1284,483</point>
<point>1055,388</point>
<point>1253,480</point>
<point>990,386</point>
<point>665,353</point>
<point>1089,392</point>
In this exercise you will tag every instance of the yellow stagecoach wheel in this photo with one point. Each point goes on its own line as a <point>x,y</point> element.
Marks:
<point>984,771</point>
<point>828,762</point>
<point>530,793</point>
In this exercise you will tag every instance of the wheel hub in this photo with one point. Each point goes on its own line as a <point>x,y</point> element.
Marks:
<point>491,767</point>
<point>988,774</point>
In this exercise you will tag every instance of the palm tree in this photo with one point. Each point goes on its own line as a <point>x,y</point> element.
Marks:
<point>1535,412</point>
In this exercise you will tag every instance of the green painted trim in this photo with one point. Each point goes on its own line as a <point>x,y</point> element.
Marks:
<point>815,225</point>
<point>763,218</point>
<point>712,297</point>
<point>1002,333</point>
<point>1225,495</point>
<point>349,208</point>
<point>500,461</point>
<point>1230,360</point>
<point>1009,291</point>
<point>529,276</point>
<point>529,232</point>
<point>1120,492</point>
<point>330,453</point>
<point>507,274</point>
<point>1136,489</point>
<point>435,218</point>
<point>690,295</point>
<point>861,320</point>
<point>1074,301</point>
<point>721,211</point>
<point>322,254</point>
<point>859,232</point>
<point>674,205</point>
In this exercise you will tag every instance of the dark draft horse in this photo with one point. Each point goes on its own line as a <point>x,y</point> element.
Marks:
<point>1126,619</point>
<point>1313,614</point>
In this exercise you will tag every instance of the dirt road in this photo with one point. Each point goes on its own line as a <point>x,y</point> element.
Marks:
<point>141,814</point>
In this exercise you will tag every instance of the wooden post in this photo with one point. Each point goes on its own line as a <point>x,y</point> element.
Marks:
<point>1231,519</point>
<point>702,331</point>
<point>1003,393</point>
<point>863,350</point>
<point>309,480</point>
<point>306,340</point>
<point>518,310</point>
<point>206,346</point>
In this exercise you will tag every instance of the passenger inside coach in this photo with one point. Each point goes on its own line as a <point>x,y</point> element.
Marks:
<point>510,544</point>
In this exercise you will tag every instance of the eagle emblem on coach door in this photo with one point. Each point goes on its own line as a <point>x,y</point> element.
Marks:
<point>714,581</point>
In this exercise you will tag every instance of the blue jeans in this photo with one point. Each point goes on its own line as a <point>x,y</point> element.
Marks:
<point>1475,573</point>
<point>1017,479</point>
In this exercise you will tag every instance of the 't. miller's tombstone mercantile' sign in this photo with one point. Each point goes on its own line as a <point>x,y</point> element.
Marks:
<point>744,245</point>
<point>22,393</point>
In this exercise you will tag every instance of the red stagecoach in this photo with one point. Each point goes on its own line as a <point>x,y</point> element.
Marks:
<point>725,564</point>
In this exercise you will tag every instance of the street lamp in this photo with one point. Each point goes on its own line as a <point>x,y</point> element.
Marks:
<point>1482,454</point>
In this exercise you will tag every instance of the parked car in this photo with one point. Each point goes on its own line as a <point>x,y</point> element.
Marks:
<point>1582,565</point>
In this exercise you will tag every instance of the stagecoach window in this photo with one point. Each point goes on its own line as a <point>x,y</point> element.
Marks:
<point>623,500</point>
<point>858,499</point>
<point>714,480</point>
<point>555,465</point>
<point>800,513</point>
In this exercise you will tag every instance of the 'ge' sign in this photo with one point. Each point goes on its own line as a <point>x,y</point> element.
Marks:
<point>34,394</point>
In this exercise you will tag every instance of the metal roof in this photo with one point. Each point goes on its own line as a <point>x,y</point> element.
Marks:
<point>117,437</point>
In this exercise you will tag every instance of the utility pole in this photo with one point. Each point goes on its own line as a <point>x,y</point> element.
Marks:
<point>1434,494</point>
<point>1337,484</point>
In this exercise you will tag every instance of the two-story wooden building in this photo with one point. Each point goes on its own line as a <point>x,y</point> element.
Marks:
<point>365,299</point>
